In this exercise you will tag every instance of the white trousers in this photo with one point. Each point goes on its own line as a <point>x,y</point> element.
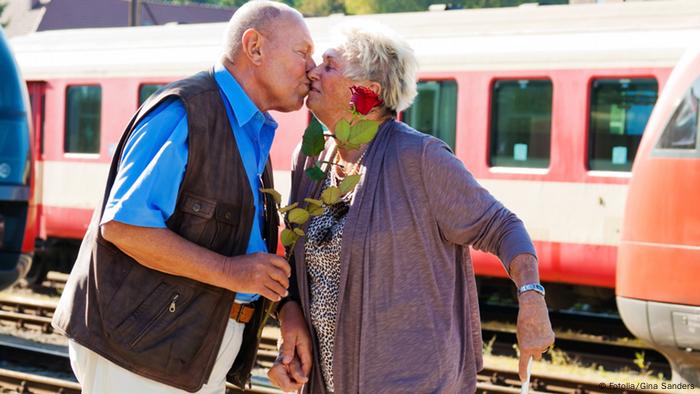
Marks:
<point>98,375</point>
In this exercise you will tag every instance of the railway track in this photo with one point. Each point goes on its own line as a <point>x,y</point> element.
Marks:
<point>56,280</point>
<point>606,350</point>
<point>489,380</point>
<point>606,341</point>
<point>587,338</point>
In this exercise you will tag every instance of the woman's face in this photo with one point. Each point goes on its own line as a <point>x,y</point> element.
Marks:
<point>330,94</point>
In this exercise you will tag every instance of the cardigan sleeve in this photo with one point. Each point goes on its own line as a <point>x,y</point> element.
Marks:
<point>465,212</point>
<point>297,166</point>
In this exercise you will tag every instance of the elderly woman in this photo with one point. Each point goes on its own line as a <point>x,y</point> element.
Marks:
<point>384,282</point>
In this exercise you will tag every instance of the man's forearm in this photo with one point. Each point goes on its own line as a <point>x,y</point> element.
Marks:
<point>163,250</point>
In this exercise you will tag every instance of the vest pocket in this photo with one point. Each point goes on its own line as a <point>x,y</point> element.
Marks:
<point>227,218</point>
<point>197,225</point>
<point>146,314</point>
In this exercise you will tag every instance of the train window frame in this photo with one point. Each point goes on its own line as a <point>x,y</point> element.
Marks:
<point>604,167</point>
<point>659,151</point>
<point>439,85</point>
<point>527,168</point>
<point>66,113</point>
<point>139,92</point>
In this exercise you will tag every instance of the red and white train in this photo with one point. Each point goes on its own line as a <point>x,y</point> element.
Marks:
<point>545,105</point>
<point>658,266</point>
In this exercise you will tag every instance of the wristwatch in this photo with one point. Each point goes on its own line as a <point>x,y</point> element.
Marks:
<point>536,287</point>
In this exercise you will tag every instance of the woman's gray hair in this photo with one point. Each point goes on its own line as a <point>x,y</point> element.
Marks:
<point>376,53</point>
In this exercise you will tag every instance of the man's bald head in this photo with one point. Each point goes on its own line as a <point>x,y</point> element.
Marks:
<point>258,15</point>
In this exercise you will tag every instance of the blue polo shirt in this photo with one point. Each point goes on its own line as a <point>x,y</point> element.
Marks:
<point>154,160</point>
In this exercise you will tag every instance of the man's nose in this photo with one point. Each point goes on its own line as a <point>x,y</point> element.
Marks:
<point>312,73</point>
<point>310,65</point>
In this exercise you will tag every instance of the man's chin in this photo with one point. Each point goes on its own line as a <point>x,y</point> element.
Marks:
<point>311,103</point>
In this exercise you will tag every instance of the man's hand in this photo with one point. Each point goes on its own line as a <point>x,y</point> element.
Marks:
<point>534,330</point>
<point>293,365</point>
<point>262,273</point>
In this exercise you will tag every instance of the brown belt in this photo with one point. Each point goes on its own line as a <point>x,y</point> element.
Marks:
<point>242,313</point>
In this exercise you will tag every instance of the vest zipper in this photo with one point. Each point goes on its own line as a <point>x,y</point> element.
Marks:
<point>171,308</point>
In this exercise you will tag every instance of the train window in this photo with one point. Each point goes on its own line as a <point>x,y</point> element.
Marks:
<point>83,107</point>
<point>146,90</point>
<point>521,123</point>
<point>434,111</point>
<point>620,109</point>
<point>682,129</point>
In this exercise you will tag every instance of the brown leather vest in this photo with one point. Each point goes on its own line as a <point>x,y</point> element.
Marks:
<point>121,310</point>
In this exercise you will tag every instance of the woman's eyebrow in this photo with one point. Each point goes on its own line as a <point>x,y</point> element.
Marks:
<point>329,58</point>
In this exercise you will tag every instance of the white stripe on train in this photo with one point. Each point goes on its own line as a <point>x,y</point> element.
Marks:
<point>563,212</point>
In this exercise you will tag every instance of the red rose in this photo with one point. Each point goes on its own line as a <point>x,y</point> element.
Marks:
<point>364,99</point>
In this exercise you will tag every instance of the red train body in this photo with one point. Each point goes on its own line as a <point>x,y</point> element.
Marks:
<point>659,254</point>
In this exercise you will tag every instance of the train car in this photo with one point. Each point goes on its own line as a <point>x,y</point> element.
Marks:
<point>17,208</point>
<point>659,255</point>
<point>545,105</point>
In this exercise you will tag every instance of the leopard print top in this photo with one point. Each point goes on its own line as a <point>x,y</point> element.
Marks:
<point>322,254</point>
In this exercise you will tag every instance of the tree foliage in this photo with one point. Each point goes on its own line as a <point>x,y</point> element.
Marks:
<point>319,7</point>
<point>357,7</point>
<point>2,9</point>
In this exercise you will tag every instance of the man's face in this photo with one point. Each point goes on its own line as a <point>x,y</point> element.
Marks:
<point>287,60</point>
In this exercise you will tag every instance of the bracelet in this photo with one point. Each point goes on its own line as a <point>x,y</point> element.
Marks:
<point>536,287</point>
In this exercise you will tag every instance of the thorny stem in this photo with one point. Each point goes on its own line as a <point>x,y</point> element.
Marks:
<point>332,163</point>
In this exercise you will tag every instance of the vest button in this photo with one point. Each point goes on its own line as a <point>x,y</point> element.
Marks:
<point>227,215</point>
<point>196,207</point>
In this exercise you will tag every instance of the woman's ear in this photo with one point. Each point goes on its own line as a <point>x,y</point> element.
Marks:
<point>251,44</point>
<point>375,87</point>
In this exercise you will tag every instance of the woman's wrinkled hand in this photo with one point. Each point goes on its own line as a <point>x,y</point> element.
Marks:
<point>534,331</point>
<point>291,369</point>
<point>287,377</point>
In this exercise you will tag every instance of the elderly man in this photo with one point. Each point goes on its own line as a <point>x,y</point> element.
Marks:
<point>175,272</point>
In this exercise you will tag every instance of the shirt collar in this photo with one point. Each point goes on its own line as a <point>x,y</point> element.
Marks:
<point>244,110</point>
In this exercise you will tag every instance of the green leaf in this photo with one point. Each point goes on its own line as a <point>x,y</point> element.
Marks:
<point>299,232</point>
<point>342,130</point>
<point>313,142</point>
<point>288,207</point>
<point>363,132</point>
<point>349,183</point>
<point>315,210</point>
<point>288,237</point>
<point>313,201</point>
<point>315,173</point>
<point>331,195</point>
<point>298,215</point>
<point>348,146</point>
<point>274,193</point>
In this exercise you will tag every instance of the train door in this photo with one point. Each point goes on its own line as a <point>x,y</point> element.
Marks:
<point>16,181</point>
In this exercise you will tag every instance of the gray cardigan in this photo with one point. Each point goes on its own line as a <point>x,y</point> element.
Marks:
<point>408,317</point>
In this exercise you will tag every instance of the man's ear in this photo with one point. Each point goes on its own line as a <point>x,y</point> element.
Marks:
<point>251,44</point>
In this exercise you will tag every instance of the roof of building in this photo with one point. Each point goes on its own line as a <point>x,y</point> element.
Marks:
<point>27,16</point>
